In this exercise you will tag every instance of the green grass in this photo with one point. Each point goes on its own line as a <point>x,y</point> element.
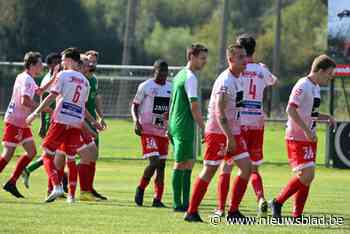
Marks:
<point>117,179</point>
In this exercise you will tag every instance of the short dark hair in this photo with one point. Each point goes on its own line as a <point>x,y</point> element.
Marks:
<point>231,49</point>
<point>31,58</point>
<point>160,64</point>
<point>195,49</point>
<point>247,42</point>
<point>92,52</point>
<point>322,62</point>
<point>50,58</point>
<point>72,53</point>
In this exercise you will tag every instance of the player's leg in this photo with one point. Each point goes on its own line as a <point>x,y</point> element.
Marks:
<point>159,184</point>
<point>163,147</point>
<point>239,185</point>
<point>85,174</point>
<point>181,181</point>
<point>254,139</point>
<point>223,188</point>
<point>199,189</point>
<point>72,178</point>
<point>304,167</point>
<point>148,172</point>
<point>53,140</point>
<point>212,160</point>
<point>22,162</point>
<point>94,152</point>
<point>9,141</point>
<point>150,151</point>
<point>257,184</point>
<point>306,177</point>
<point>29,169</point>
<point>6,156</point>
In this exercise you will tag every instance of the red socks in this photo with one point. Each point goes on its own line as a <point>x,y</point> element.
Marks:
<point>257,185</point>
<point>143,183</point>
<point>21,164</point>
<point>158,190</point>
<point>49,185</point>
<point>238,190</point>
<point>199,189</point>
<point>84,175</point>
<point>92,173</point>
<point>3,163</point>
<point>292,187</point>
<point>300,200</point>
<point>222,190</point>
<point>51,169</point>
<point>72,177</point>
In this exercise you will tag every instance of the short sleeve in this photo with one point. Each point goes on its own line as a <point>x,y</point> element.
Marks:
<point>297,95</point>
<point>140,94</point>
<point>269,78</point>
<point>191,87</point>
<point>28,88</point>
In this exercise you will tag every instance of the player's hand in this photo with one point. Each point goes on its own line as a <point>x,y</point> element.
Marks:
<point>103,123</point>
<point>332,122</point>
<point>138,128</point>
<point>310,135</point>
<point>48,110</point>
<point>98,126</point>
<point>42,132</point>
<point>56,70</point>
<point>166,115</point>
<point>230,145</point>
<point>30,118</point>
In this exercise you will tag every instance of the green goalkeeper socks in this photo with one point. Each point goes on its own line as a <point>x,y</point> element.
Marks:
<point>186,187</point>
<point>35,165</point>
<point>177,181</point>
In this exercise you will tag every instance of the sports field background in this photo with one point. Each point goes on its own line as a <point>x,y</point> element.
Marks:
<point>120,142</point>
<point>117,179</point>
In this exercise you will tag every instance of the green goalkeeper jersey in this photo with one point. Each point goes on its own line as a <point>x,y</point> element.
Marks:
<point>184,91</point>
<point>91,102</point>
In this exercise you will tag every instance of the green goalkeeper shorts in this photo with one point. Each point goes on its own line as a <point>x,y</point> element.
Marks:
<point>183,150</point>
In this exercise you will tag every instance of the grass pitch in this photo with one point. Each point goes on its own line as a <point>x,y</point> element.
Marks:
<point>117,179</point>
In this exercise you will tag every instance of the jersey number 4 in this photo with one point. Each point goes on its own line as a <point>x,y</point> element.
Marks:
<point>76,94</point>
<point>252,89</point>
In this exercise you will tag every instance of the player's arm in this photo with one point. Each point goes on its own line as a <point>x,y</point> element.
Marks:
<point>326,118</point>
<point>135,118</point>
<point>191,86</point>
<point>223,122</point>
<point>44,105</point>
<point>197,113</point>
<point>28,102</point>
<point>42,122</point>
<point>99,111</point>
<point>294,115</point>
<point>87,128</point>
<point>40,91</point>
<point>92,121</point>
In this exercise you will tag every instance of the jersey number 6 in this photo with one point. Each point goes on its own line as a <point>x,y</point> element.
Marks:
<point>76,94</point>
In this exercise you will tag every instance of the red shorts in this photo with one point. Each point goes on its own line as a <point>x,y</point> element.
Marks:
<point>254,139</point>
<point>301,154</point>
<point>15,135</point>
<point>64,138</point>
<point>215,150</point>
<point>154,146</point>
